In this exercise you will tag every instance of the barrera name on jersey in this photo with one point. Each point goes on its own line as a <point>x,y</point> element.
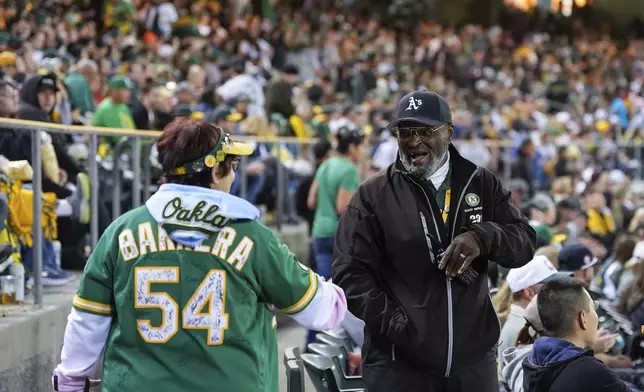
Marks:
<point>178,294</point>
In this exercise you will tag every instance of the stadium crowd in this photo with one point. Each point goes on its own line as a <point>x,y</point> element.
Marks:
<point>563,118</point>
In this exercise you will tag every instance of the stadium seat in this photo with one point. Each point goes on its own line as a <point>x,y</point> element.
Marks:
<point>292,354</point>
<point>294,377</point>
<point>337,333</point>
<point>335,341</point>
<point>323,374</point>
<point>333,352</point>
<point>339,358</point>
<point>316,348</point>
<point>320,370</point>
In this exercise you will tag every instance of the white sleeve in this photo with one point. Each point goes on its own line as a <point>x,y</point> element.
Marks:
<point>84,341</point>
<point>326,310</point>
<point>355,328</point>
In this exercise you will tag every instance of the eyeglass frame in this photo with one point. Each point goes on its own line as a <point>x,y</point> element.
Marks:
<point>415,131</point>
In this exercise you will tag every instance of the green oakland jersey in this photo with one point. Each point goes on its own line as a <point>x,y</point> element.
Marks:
<point>191,319</point>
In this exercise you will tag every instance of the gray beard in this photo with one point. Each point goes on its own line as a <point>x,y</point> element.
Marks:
<point>422,171</point>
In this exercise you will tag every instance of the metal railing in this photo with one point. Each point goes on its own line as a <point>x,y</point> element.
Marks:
<point>141,171</point>
<point>135,136</point>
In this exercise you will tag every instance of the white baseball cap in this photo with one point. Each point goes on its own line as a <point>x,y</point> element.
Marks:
<point>638,255</point>
<point>538,270</point>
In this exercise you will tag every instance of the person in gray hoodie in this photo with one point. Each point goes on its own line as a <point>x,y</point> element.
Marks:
<point>511,369</point>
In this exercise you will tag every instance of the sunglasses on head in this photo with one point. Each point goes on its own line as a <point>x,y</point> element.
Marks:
<point>407,133</point>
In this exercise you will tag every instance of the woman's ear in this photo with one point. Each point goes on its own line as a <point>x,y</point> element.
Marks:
<point>214,175</point>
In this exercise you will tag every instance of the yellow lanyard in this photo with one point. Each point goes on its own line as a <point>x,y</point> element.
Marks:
<point>448,197</point>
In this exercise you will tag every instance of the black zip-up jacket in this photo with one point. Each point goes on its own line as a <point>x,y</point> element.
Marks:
<point>383,261</point>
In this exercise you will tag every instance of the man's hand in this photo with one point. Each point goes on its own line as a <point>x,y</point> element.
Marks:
<point>622,362</point>
<point>354,364</point>
<point>460,254</point>
<point>604,342</point>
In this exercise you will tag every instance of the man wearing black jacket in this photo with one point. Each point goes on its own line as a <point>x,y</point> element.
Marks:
<point>560,362</point>
<point>411,254</point>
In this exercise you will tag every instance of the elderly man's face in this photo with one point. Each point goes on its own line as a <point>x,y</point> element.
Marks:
<point>422,149</point>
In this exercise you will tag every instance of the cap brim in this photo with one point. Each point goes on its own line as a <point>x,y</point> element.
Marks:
<point>594,261</point>
<point>558,238</point>
<point>557,276</point>
<point>420,120</point>
<point>242,149</point>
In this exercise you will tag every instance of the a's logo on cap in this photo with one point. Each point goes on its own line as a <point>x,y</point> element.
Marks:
<point>414,103</point>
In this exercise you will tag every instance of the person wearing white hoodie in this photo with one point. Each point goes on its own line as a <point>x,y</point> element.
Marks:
<point>178,294</point>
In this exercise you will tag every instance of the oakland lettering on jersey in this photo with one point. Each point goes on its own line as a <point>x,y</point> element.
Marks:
<point>174,209</point>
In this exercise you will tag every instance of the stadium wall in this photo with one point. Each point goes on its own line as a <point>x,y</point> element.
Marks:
<point>31,340</point>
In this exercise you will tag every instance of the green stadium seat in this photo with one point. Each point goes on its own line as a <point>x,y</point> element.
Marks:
<point>294,377</point>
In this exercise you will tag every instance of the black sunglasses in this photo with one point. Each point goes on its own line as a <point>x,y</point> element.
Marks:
<point>407,133</point>
<point>234,163</point>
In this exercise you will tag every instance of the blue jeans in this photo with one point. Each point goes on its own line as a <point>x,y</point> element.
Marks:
<point>323,248</point>
<point>254,185</point>
<point>48,257</point>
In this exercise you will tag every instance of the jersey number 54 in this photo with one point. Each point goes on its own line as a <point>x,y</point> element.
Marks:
<point>206,309</point>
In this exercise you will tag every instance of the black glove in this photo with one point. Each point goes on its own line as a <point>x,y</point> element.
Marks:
<point>397,324</point>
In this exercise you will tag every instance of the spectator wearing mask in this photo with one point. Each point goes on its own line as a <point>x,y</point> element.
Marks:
<point>525,283</point>
<point>561,362</point>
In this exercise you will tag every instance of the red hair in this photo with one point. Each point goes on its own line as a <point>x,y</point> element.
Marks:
<point>185,140</point>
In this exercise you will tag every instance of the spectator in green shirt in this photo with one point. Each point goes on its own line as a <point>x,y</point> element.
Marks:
<point>335,181</point>
<point>334,184</point>
<point>114,112</point>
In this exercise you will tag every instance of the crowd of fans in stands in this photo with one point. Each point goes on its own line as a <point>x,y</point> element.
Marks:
<point>563,107</point>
